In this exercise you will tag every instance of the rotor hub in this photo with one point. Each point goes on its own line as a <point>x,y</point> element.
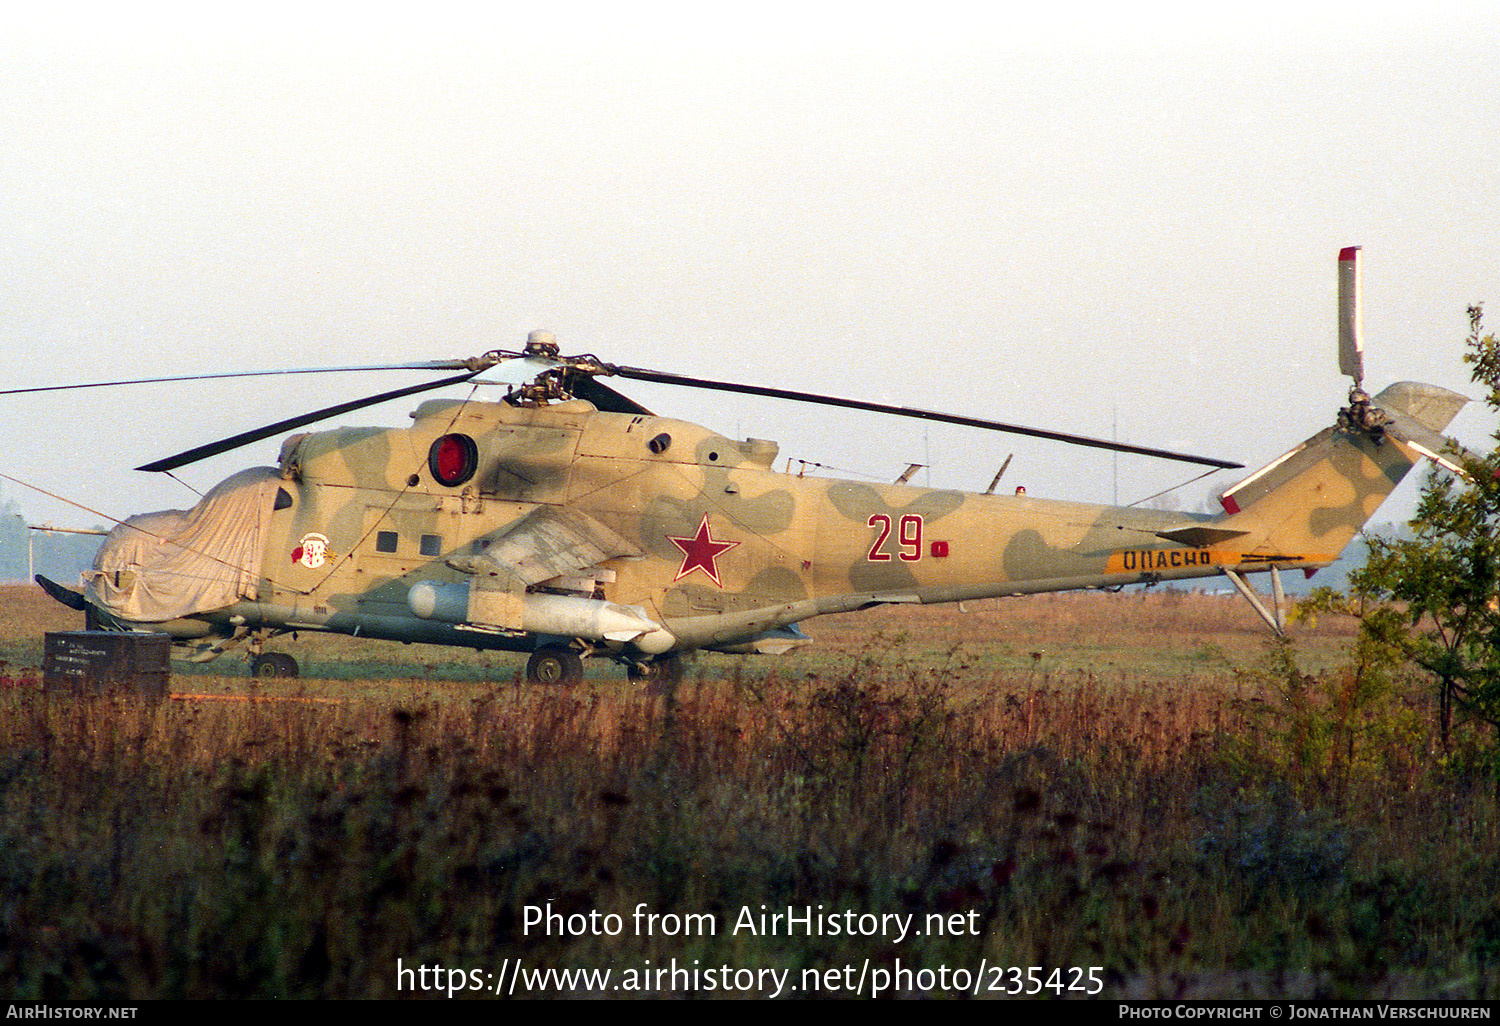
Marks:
<point>1360,415</point>
<point>541,343</point>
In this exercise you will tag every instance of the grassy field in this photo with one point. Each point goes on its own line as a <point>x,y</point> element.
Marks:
<point>1135,793</point>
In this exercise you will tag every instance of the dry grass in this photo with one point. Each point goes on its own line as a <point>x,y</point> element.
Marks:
<point>1135,797</point>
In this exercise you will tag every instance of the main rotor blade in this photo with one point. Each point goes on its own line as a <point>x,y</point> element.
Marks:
<point>661,377</point>
<point>202,452</point>
<point>586,386</point>
<point>427,365</point>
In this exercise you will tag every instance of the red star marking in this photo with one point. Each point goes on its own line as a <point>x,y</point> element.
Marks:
<point>700,551</point>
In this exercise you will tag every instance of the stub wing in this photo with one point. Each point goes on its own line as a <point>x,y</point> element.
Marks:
<point>559,550</point>
<point>549,542</point>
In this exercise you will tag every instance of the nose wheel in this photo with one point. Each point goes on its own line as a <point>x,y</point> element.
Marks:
<point>553,665</point>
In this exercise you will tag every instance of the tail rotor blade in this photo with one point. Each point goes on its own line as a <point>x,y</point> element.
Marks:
<point>1351,326</point>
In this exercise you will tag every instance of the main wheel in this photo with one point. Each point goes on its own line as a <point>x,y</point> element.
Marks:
<point>553,665</point>
<point>273,664</point>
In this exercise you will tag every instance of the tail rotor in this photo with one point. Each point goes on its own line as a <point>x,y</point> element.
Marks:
<point>1399,419</point>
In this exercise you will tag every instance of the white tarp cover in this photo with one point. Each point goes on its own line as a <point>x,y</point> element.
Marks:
<point>159,566</point>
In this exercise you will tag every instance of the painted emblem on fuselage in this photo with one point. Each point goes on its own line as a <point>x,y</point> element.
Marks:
<point>312,552</point>
<point>700,552</point>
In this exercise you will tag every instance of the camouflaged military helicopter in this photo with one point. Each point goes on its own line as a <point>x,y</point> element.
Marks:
<point>569,522</point>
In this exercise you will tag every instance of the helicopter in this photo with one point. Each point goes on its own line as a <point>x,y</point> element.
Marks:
<point>566,521</point>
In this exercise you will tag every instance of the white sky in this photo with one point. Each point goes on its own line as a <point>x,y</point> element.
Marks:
<point>1059,217</point>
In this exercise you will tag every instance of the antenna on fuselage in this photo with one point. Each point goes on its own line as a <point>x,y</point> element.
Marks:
<point>999,474</point>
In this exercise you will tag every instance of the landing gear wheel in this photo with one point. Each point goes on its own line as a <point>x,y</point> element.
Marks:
<point>552,665</point>
<point>273,664</point>
<point>664,672</point>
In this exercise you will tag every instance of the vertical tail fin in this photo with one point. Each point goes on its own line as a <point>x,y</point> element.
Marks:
<point>1308,504</point>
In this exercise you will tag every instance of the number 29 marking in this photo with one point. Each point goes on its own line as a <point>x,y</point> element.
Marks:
<point>908,535</point>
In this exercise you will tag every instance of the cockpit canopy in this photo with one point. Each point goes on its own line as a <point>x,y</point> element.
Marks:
<point>160,566</point>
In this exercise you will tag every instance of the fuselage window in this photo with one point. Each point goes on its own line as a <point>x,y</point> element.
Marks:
<point>385,541</point>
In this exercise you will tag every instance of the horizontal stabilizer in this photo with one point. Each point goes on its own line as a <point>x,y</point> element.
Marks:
<point>1199,535</point>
